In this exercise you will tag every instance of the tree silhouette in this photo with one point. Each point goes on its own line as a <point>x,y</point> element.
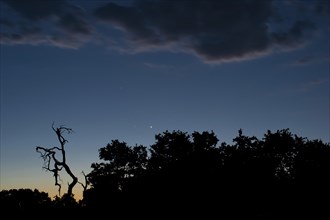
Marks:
<point>280,175</point>
<point>55,165</point>
<point>111,179</point>
<point>23,200</point>
<point>171,168</point>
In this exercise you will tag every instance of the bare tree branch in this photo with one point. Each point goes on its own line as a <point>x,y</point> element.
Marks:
<point>86,182</point>
<point>48,155</point>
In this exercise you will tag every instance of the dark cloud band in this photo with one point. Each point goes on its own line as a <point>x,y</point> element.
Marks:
<point>215,31</point>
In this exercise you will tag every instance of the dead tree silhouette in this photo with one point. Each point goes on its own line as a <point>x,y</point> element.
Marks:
<point>54,165</point>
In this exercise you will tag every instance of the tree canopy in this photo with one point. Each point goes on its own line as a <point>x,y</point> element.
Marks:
<point>280,175</point>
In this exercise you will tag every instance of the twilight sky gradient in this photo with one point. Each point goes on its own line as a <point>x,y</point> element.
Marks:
<point>127,70</point>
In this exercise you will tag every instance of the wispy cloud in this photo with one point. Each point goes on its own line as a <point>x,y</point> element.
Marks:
<point>311,60</point>
<point>157,65</point>
<point>303,61</point>
<point>215,31</point>
<point>310,85</point>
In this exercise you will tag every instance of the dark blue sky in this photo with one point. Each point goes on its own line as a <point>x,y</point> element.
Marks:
<point>128,70</point>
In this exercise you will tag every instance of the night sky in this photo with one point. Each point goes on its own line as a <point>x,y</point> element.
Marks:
<point>129,70</point>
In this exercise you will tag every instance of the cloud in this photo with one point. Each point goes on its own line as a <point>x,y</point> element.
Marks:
<point>303,61</point>
<point>35,22</point>
<point>312,84</point>
<point>306,87</point>
<point>36,9</point>
<point>215,31</point>
<point>157,66</point>
<point>311,60</point>
<point>210,29</point>
<point>322,7</point>
<point>294,36</point>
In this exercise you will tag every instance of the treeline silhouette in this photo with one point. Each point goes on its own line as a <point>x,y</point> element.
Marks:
<point>281,175</point>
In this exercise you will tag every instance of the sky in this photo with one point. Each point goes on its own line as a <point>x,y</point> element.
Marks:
<point>128,70</point>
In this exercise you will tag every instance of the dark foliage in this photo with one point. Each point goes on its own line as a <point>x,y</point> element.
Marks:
<point>23,199</point>
<point>279,176</point>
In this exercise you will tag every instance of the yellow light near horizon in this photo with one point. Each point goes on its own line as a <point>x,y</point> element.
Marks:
<point>42,182</point>
<point>78,194</point>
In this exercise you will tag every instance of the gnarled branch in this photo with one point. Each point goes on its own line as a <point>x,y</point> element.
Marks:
<point>49,157</point>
